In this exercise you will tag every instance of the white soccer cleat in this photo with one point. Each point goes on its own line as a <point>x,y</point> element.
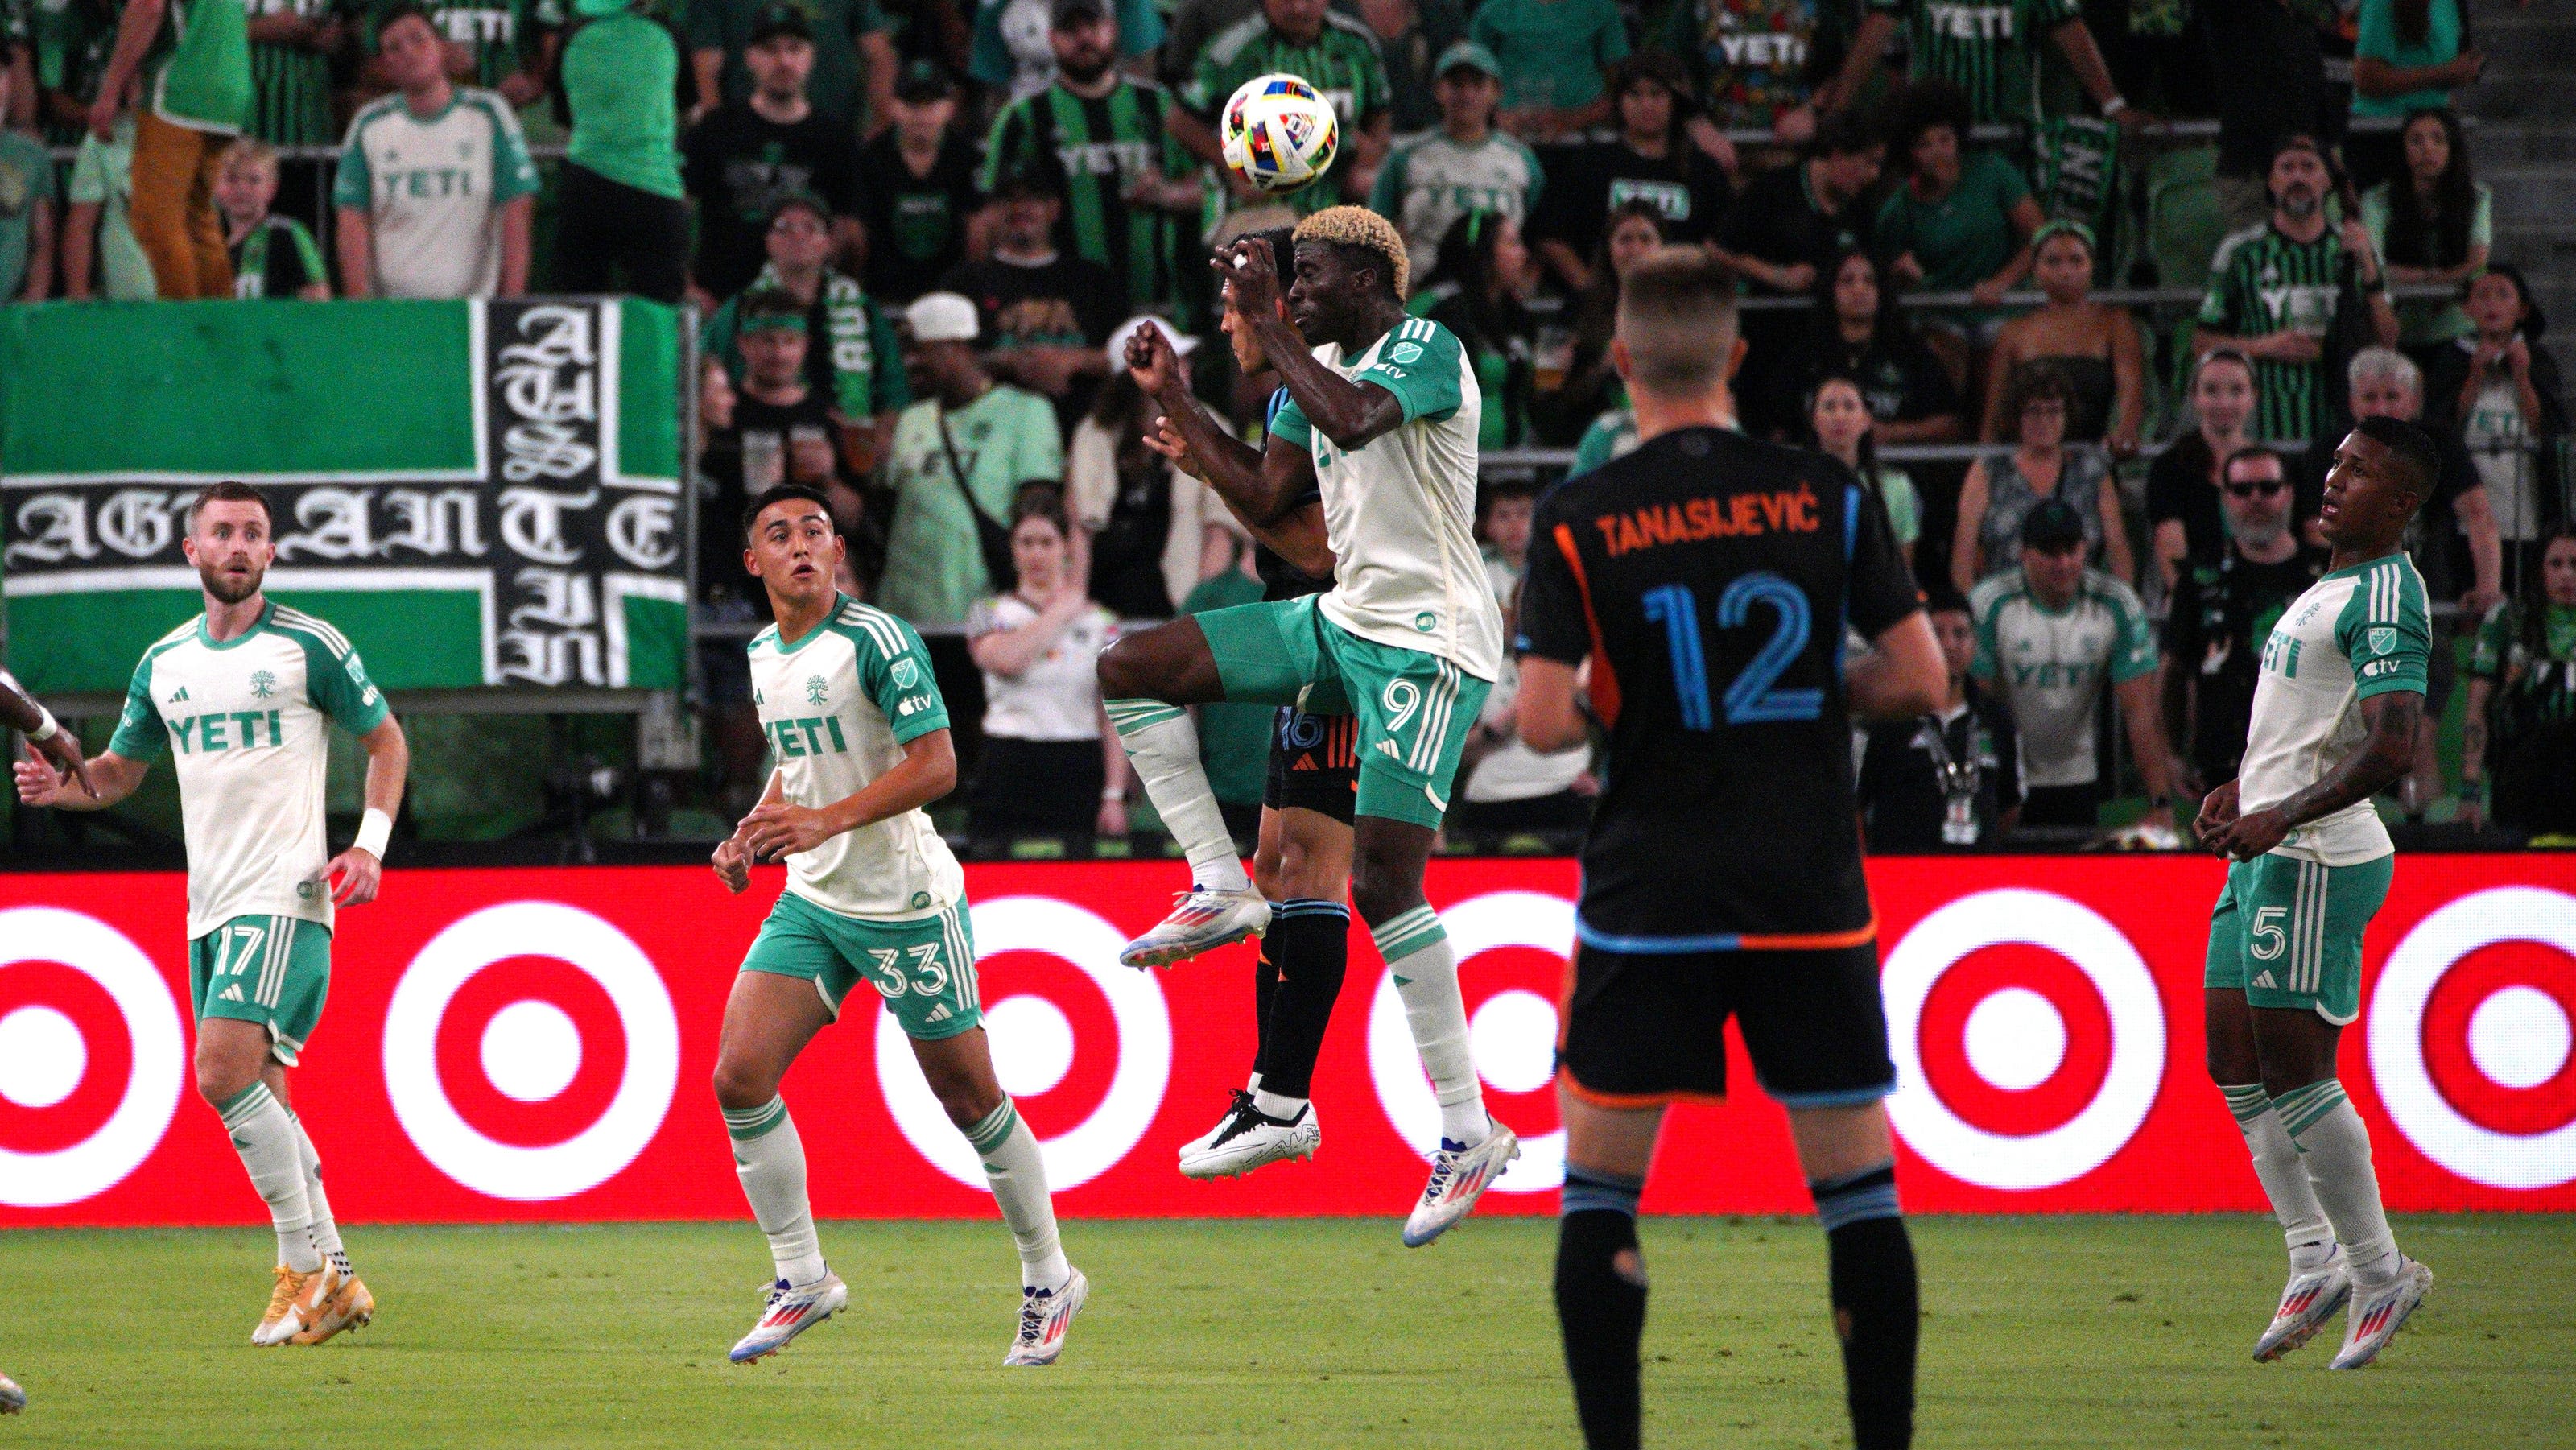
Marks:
<point>1459,1176</point>
<point>1045,1314</point>
<point>2307,1302</point>
<point>1205,919</point>
<point>790,1311</point>
<point>296,1303</point>
<point>2377,1314</point>
<point>12,1398</point>
<point>1249,1138</point>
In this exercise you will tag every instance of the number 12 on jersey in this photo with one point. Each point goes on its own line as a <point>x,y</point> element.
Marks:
<point>1755,696</point>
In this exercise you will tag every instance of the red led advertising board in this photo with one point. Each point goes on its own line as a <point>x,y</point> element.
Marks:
<point>536,1045</point>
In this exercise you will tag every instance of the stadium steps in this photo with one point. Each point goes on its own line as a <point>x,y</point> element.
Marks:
<point>2525,146</point>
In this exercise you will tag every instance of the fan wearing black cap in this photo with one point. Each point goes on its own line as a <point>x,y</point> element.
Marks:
<point>748,154</point>
<point>1131,191</point>
<point>2049,633</point>
<point>917,192</point>
<point>854,58</point>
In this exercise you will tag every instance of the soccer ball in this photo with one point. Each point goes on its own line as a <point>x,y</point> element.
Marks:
<point>1279,133</point>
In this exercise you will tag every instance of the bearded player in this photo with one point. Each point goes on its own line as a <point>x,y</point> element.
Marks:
<point>1381,420</point>
<point>873,898</point>
<point>2338,695</point>
<point>243,692</point>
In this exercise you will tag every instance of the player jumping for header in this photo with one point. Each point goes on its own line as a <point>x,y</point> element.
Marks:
<point>244,690</point>
<point>860,735</point>
<point>2337,698</point>
<point>1381,418</point>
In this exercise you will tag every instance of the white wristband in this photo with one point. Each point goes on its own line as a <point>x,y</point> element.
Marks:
<point>1116,793</point>
<point>2114,107</point>
<point>46,728</point>
<point>374,830</point>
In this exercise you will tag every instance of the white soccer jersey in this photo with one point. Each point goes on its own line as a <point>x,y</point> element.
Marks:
<point>838,706</point>
<point>1425,187</point>
<point>432,188</point>
<point>1400,514</point>
<point>1058,696</point>
<point>2357,632</point>
<point>244,721</point>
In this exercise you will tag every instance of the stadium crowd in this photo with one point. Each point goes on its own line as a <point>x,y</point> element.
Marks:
<point>2086,291</point>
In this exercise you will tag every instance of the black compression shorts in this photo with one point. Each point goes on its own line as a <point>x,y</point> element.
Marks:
<point>1314,763</point>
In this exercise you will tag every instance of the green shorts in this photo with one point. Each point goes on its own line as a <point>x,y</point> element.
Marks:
<point>272,970</point>
<point>1414,708</point>
<point>2287,932</point>
<point>924,968</point>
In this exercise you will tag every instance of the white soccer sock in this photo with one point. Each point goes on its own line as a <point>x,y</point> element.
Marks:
<point>2335,1145</point>
<point>2283,1175</point>
<point>1416,949</point>
<point>1017,1170</point>
<point>324,1233</point>
<point>1274,1105</point>
<point>1164,747</point>
<point>770,1160</point>
<point>271,1147</point>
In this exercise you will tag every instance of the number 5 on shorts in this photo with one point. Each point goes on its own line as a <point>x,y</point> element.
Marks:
<point>2266,933</point>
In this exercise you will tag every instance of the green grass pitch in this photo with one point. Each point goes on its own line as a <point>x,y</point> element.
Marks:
<point>2109,1331</point>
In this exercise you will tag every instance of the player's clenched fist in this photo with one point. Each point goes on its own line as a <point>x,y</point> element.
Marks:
<point>733,864</point>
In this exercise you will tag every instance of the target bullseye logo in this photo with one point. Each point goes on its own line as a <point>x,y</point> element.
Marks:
<point>579,1029</point>
<point>1512,1031</point>
<point>2021,1070</point>
<point>1037,1043</point>
<point>91,1057</point>
<point>2470,1042</point>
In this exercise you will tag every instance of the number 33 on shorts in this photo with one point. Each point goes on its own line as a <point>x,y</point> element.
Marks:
<point>924,967</point>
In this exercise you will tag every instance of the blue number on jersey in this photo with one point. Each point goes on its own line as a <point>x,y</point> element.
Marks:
<point>1754,698</point>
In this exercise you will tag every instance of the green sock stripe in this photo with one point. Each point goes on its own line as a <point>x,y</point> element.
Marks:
<point>997,1125</point>
<point>1130,716</point>
<point>2308,1106</point>
<point>245,1104</point>
<point>749,1123</point>
<point>1409,933</point>
<point>2247,1100</point>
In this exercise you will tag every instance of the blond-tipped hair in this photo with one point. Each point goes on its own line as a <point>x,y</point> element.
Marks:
<point>1357,226</point>
<point>1677,317</point>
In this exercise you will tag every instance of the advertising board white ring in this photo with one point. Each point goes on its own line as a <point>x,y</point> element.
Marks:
<point>153,1077</point>
<point>1092,1147</point>
<point>2396,1036</point>
<point>599,950</point>
<point>2075,931</point>
<point>1532,919</point>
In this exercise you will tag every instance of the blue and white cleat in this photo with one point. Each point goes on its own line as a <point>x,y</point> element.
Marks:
<point>1205,919</point>
<point>1045,1314</point>
<point>1460,1174</point>
<point>12,1398</point>
<point>2307,1302</point>
<point>2378,1313</point>
<point>791,1310</point>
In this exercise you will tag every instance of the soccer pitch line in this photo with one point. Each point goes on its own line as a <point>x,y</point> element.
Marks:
<point>2101,1330</point>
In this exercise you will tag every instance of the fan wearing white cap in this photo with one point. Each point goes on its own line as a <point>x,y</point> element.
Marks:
<point>1149,527</point>
<point>959,453</point>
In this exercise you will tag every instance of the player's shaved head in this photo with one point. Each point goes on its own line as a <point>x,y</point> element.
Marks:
<point>1677,322</point>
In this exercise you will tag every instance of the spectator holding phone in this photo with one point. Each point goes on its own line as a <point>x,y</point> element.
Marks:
<point>2501,395</point>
